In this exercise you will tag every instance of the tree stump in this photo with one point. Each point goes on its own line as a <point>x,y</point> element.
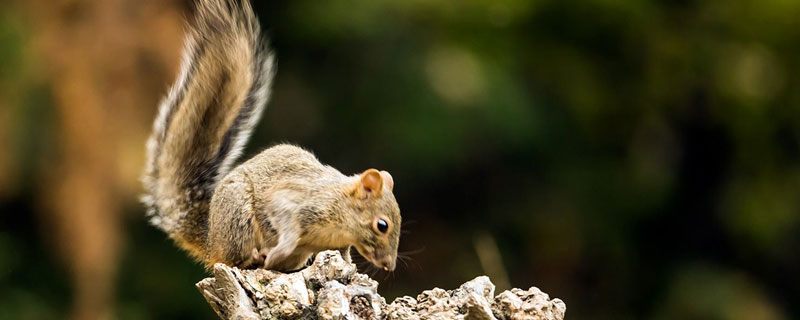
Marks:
<point>331,288</point>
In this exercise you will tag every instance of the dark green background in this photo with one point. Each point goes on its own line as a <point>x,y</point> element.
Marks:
<point>637,159</point>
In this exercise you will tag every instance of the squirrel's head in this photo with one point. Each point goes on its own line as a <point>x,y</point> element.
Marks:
<point>379,219</point>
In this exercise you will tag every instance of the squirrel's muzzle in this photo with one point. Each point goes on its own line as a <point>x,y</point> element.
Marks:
<point>387,263</point>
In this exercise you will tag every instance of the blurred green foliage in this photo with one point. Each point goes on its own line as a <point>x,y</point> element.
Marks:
<point>638,159</point>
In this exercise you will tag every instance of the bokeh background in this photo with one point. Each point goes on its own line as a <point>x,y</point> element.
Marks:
<point>637,159</point>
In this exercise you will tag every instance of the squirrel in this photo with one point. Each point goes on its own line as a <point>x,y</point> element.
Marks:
<point>275,210</point>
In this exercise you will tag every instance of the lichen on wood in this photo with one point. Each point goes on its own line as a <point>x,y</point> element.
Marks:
<point>331,288</point>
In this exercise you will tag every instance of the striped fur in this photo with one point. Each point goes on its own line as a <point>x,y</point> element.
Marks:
<point>206,119</point>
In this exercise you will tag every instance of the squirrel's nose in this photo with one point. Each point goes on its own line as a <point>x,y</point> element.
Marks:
<point>388,265</point>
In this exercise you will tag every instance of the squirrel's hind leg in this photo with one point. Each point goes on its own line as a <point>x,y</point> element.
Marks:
<point>233,232</point>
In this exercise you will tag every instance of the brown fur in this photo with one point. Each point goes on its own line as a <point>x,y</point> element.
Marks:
<point>285,198</point>
<point>277,208</point>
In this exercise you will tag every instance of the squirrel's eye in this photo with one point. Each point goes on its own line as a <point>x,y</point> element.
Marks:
<point>382,225</point>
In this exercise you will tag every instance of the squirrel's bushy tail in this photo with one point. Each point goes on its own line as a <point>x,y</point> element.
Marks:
<point>206,119</point>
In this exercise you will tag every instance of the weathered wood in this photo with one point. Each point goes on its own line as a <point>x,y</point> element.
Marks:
<point>332,289</point>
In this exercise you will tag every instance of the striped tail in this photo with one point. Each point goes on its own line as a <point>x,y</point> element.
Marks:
<point>206,119</point>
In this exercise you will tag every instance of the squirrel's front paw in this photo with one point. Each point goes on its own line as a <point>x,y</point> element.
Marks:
<point>257,259</point>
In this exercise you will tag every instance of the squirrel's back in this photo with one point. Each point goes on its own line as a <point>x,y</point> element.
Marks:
<point>206,119</point>
<point>290,162</point>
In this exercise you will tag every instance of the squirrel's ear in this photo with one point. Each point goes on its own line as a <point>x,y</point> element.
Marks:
<point>371,182</point>
<point>387,179</point>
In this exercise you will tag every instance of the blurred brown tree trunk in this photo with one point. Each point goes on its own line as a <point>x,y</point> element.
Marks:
<point>107,63</point>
